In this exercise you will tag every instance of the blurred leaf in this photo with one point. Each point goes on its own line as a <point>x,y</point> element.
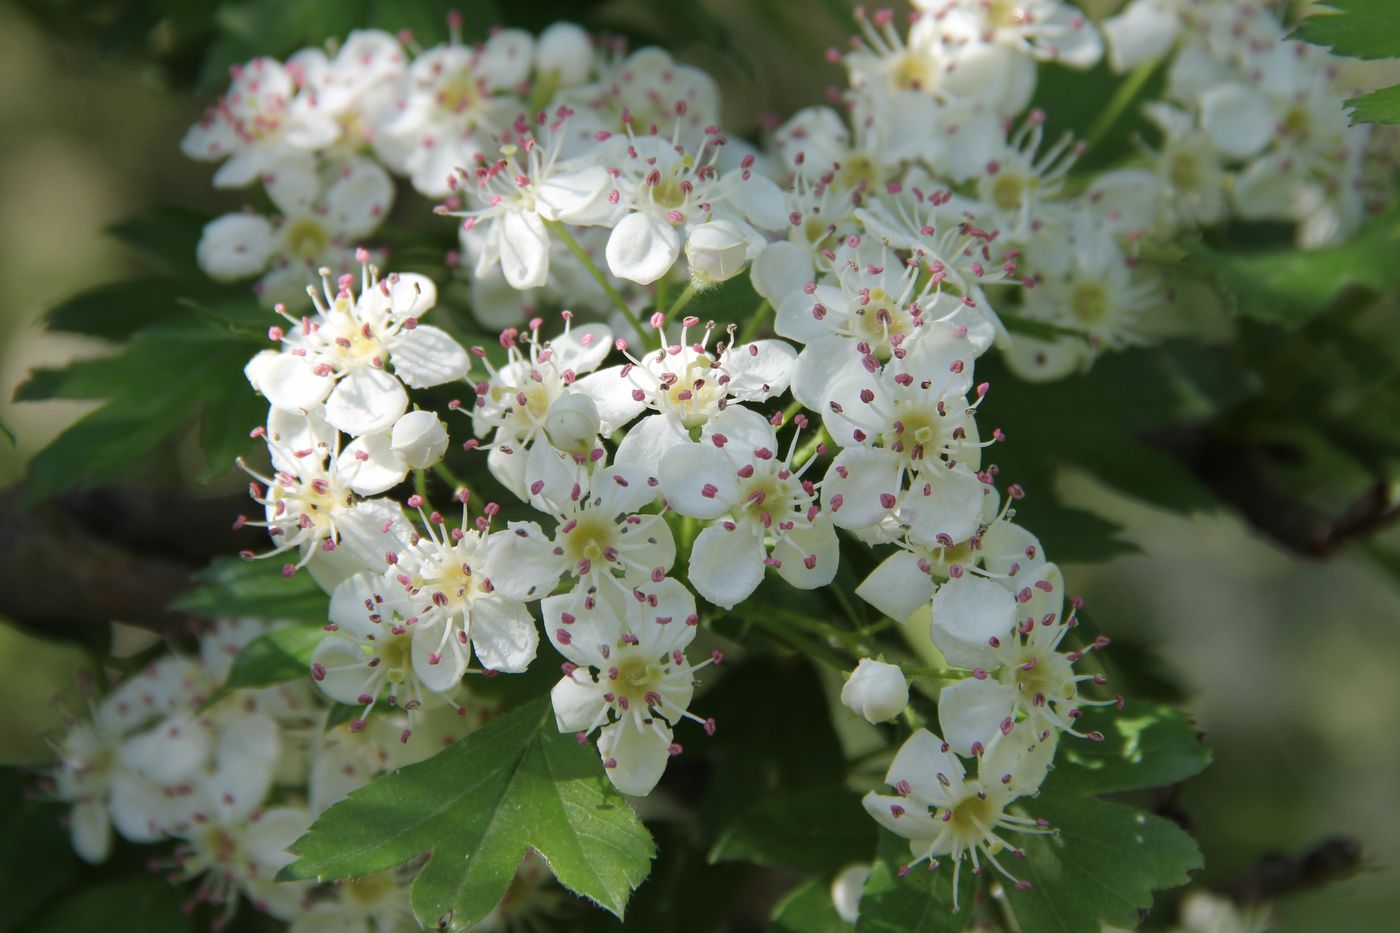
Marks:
<point>920,902</point>
<point>809,909</point>
<point>279,656</point>
<point>166,237</point>
<point>120,309</point>
<point>1359,28</point>
<point>254,589</point>
<point>814,830</point>
<point>1101,865</point>
<point>1289,286</point>
<point>683,893</point>
<point>225,429</point>
<point>151,898</point>
<point>1381,106</point>
<point>36,857</point>
<point>1145,745</point>
<point>514,784</point>
<point>8,431</point>
<point>1074,100</point>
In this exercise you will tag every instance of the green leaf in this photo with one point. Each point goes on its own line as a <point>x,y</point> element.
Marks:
<point>151,898</point>
<point>36,857</point>
<point>819,829</point>
<point>1145,745</point>
<point>920,902</point>
<point>8,431</point>
<point>279,656</point>
<point>1101,867</point>
<point>117,310</point>
<point>1381,106</point>
<point>255,589</point>
<point>809,909</point>
<point>1359,28</point>
<point>166,237</point>
<point>1289,287</point>
<point>515,784</point>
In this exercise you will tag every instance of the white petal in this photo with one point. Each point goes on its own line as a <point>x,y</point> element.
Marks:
<point>1237,118</point>
<point>141,812</point>
<point>1019,755</point>
<point>759,370</point>
<point>503,635</point>
<point>524,248</point>
<point>235,246</point>
<point>943,502</point>
<point>822,364</point>
<point>366,401</point>
<point>577,706</point>
<point>612,394</point>
<point>815,542</point>
<point>288,382</point>
<point>967,613</point>
<point>529,568</point>
<point>369,465</point>
<point>582,639</point>
<point>575,197</point>
<point>920,761</point>
<point>91,831</point>
<point>438,662</point>
<point>782,269</point>
<point>638,756</point>
<point>649,440</point>
<point>698,480</point>
<point>855,484</point>
<point>727,566</point>
<point>582,348</point>
<point>803,317</point>
<point>1142,32</point>
<point>360,198</point>
<point>913,822</point>
<point>897,588</point>
<point>427,356</point>
<point>350,606</point>
<point>762,202</point>
<point>972,711</point>
<point>642,248</point>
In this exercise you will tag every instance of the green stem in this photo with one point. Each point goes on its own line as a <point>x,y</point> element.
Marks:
<point>764,618</point>
<point>1122,98</point>
<point>755,321</point>
<point>661,291</point>
<point>582,256</point>
<point>937,673</point>
<point>420,484</point>
<point>690,292</point>
<point>448,476</point>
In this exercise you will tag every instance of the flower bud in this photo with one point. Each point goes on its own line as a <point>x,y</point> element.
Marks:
<point>875,690</point>
<point>419,439</point>
<point>565,51</point>
<point>846,889</point>
<point>572,423</point>
<point>716,251</point>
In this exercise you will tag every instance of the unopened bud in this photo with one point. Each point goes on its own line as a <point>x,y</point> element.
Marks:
<point>876,691</point>
<point>716,251</point>
<point>419,439</point>
<point>572,423</point>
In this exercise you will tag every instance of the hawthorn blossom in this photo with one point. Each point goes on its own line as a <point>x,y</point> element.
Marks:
<point>340,357</point>
<point>626,673</point>
<point>762,512</point>
<point>945,812</point>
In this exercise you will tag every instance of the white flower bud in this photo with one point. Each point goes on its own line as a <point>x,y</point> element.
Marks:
<point>565,51</point>
<point>846,889</point>
<point>419,439</point>
<point>875,690</point>
<point>572,423</point>
<point>716,251</point>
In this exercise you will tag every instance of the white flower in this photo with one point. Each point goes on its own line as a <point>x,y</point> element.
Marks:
<point>564,54</point>
<point>763,513</point>
<point>875,691</point>
<point>685,385</point>
<point>627,673</point>
<point>419,439</point>
<point>1009,640</point>
<point>408,634</point>
<point>598,531</point>
<point>942,811</point>
<point>260,126</point>
<point>341,356</point>
<point>322,218</point>
<point>846,890</point>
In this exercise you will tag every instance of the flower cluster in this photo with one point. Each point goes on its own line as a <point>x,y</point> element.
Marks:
<point>659,464</point>
<point>227,779</point>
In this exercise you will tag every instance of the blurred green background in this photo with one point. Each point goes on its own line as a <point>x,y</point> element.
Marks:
<point>1290,665</point>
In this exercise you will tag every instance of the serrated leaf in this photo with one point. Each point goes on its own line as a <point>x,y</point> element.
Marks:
<point>255,589</point>
<point>477,806</point>
<point>1359,28</point>
<point>1145,745</point>
<point>920,902</point>
<point>1101,867</point>
<point>819,829</point>
<point>1290,287</point>
<point>809,909</point>
<point>278,656</point>
<point>1381,106</point>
